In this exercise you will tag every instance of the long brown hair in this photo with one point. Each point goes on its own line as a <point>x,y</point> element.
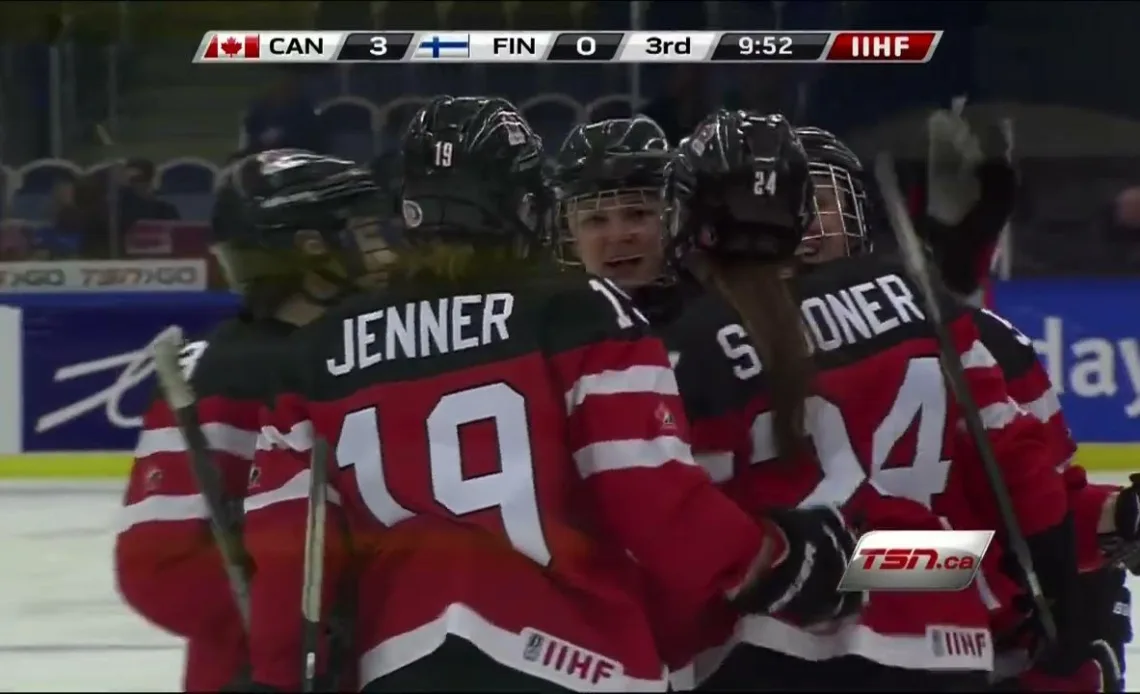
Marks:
<point>441,264</point>
<point>771,316</point>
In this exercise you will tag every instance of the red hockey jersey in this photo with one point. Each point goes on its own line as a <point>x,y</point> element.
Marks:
<point>1030,387</point>
<point>167,566</point>
<point>507,465</point>
<point>886,436</point>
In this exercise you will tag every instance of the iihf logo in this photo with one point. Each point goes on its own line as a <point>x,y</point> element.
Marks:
<point>533,647</point>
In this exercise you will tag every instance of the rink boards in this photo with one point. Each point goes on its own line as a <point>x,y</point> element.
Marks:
<point>76,373</point>
<point>1095,457</point>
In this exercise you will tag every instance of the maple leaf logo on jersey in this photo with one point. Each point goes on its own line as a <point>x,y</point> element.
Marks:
<point>231,46</point>
<point>152,479</point>
<point>665,418</point>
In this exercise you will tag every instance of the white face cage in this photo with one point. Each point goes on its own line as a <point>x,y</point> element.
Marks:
<point>839,206</point>
<point>578,209</point>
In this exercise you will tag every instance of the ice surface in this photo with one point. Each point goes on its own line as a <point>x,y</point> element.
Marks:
<point>63,627</point>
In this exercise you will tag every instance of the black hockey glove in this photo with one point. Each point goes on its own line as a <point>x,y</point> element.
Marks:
<point>803,586</point>
<point>971,189</point>
<point>1124,542</point>
<point>1126,514</point>
<point>1053,554</point>
<point>1108,608</point>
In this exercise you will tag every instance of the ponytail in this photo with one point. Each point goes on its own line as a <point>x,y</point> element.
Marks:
<point>771,316</point>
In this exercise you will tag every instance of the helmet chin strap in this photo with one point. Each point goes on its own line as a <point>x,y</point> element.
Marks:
<point>343,286</point>
<point>351,258</point>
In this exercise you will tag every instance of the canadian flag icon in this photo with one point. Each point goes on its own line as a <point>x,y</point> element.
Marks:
<point>223,46</point>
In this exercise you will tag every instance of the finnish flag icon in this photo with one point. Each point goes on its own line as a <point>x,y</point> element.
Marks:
<point>444,46</point>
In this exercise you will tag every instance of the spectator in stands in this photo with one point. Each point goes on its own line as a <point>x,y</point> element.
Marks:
<point>285,117</point>
<point>683,106</point>
<point>137,199</point>
<point>69,223</point>
<point>80,214</point>
<point>1128,208</point>
<point>1124,227</point>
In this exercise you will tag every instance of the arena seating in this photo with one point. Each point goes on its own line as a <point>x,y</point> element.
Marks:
<point>359,130</point>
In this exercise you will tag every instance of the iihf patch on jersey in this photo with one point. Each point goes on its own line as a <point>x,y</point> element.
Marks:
<point>571,663</point>
<point>152,479</point>
<point>961,648</point>
<point>533,647</point>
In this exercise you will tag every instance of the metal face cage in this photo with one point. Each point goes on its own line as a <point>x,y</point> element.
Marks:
<point>578,209</point>
<point>840,203</point>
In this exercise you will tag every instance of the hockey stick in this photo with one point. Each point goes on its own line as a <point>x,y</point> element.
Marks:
<point>915,261</point>
<point>183,403</point>
<point>314,564</point>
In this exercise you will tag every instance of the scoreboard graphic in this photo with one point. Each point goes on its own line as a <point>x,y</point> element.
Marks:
<point>568,47</point>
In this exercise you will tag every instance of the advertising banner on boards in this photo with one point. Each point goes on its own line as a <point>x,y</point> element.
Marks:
<point>1087,334</point>
<point>151,275</point>
<point>87,374</point>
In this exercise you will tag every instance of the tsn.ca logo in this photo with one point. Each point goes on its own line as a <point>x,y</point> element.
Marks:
<point>916,560</point>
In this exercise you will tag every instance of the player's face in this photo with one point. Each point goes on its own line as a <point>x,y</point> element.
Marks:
<point>376,255</point>
<point>619,237</point>
<point>826,239</point>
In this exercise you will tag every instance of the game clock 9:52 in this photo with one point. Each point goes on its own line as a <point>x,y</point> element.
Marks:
<point>772,46</point>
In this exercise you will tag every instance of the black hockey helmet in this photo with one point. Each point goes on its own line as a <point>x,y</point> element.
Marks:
<point>264,199</point>
<point>841,203</point>
<point>611,164</point>
<point>472,169</point>
<point>739,187</point>
<point>610,155</point>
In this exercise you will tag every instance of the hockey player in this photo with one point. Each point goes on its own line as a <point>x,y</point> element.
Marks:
<point>608,177</point>
<point>779,428</point>
<point>841,232</point>
<point>968,199</point>
<point>510,454</point>
<point>167,566</point>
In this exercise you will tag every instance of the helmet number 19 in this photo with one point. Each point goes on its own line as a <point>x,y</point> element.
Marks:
<point>764,184</point>
<point>443,152</point>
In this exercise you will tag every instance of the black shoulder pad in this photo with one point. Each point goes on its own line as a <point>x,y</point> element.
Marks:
<point>1011,348</point>
<point>717,368</point>
<point>235,360</point>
